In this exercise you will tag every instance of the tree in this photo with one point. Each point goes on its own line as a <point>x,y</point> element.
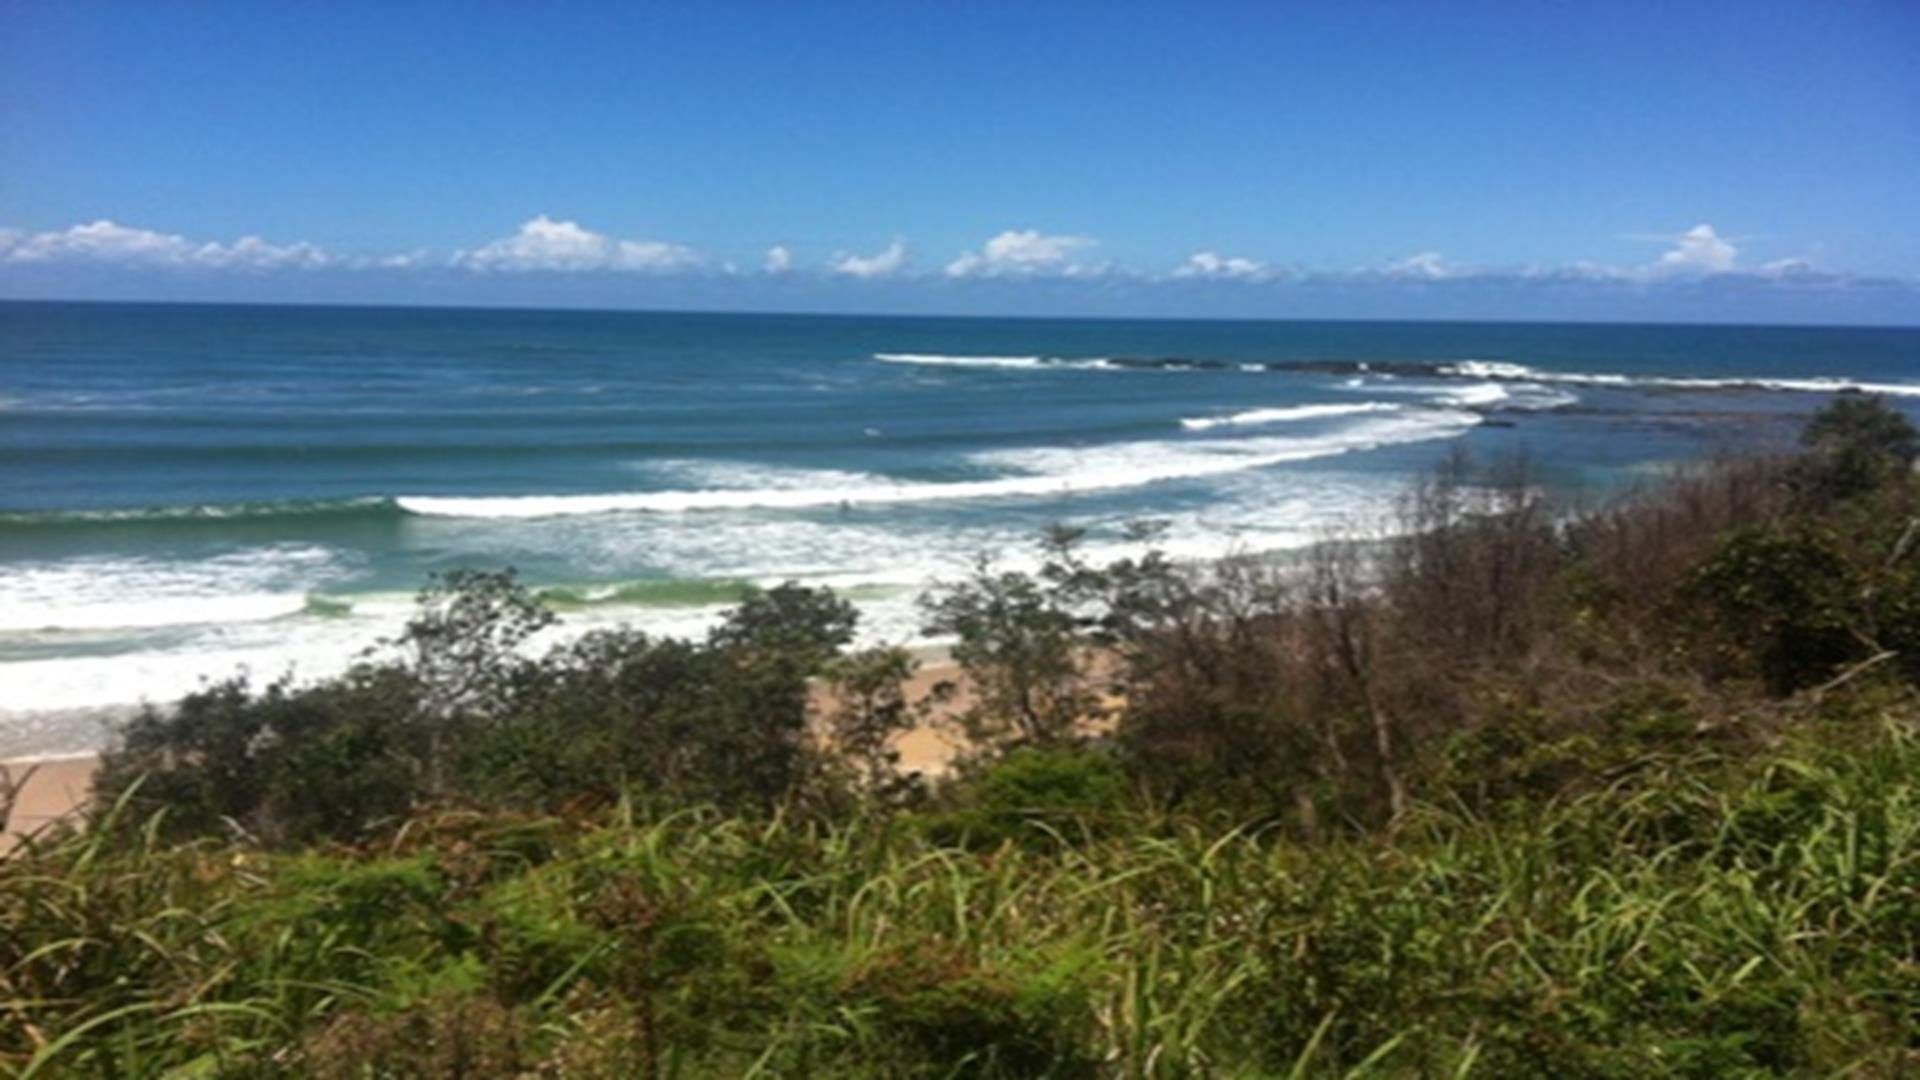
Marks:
<point>803,627</point>
<point>870,708</point>
<point>463,639</point>
<point>1020,644</point>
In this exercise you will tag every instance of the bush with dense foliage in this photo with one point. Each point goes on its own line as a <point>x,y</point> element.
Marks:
<point>453,712</point>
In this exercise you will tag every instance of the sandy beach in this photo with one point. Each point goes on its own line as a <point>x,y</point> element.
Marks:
<point>55,788</point>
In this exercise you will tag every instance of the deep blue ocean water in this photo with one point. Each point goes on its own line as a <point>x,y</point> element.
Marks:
<point>188,490</point>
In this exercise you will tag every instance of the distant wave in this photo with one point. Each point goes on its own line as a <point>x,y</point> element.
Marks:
<point>1498,369</point>
<point>1478,397</point>
<point>1521,397</point>
<point>1505,371</point>
<point>940,360</point>
<point>1055,471</point>
<point>1284,415</point>
<point>1099,363</point>
<point>1471,369</point>
<point>371,506</point>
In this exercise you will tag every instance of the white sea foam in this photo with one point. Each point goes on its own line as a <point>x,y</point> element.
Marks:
<point>1530,397</point>
<point>736,475</point>
<point>1104,467</point>
<point>1489,369</point>
<point>943,360</point>
<point>1048,472</point>
<point>1477,396</point>
<point>1523,396</point>
<point>152,612</point>
<point>1500,369</point>
<point>102,593</point>
<point>1284,415</point>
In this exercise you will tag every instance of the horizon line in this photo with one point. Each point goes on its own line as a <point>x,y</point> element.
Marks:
<point>967,317</point>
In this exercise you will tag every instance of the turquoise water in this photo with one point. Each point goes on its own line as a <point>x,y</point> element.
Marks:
<point>185,490</point>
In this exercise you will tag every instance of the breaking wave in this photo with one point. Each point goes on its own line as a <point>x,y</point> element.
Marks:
<point>1098,363</point>
<point>368,507</point>
<point>1047,471</point>
<point>1025,362</point>
<point>1499,369</point>
<point>1508,372</point>
<point>1285,415</point>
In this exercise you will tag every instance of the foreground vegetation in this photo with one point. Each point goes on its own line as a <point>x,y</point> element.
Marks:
<point>1627,794</point>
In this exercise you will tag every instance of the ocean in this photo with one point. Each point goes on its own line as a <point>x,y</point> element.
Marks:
<point>189,491</point>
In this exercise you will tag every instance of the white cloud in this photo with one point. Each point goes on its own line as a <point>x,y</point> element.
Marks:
<point>881,264</point>
<point>1024,253</point>
<point>1425,266</point>
<point>253,253</point>
<point>1699,260</point>
<point>544,244</point>
<point>1578,270</point>
<point>404,260</point>
<point>1699,250</point>
<point>1208,264</point>
<point>111,243</point>
<point>100,241</point>
<point>1787,268</point>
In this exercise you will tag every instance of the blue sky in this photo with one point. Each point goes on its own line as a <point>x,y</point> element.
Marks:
<point>1727,161</point>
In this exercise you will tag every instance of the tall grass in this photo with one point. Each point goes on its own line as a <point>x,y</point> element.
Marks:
<point>1701,917</point>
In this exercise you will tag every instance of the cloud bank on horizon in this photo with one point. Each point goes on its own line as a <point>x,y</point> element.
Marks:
<point>553,261</point>
<point>548,246</point>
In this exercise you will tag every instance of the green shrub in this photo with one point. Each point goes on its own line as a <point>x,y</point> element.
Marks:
<point>1776,603</point>
<point>1857,443</point>
<point>939,1014</point>
<point>283,764</point>
<point>457,714</point>
<point>1033,796</point>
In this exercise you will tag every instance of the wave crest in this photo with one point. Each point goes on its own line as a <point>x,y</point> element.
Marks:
<point>1284,415</point>
<point>1819,384</point>
<point>1097,363</point>
<point>1050,472</point>
<point>370,506</point>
